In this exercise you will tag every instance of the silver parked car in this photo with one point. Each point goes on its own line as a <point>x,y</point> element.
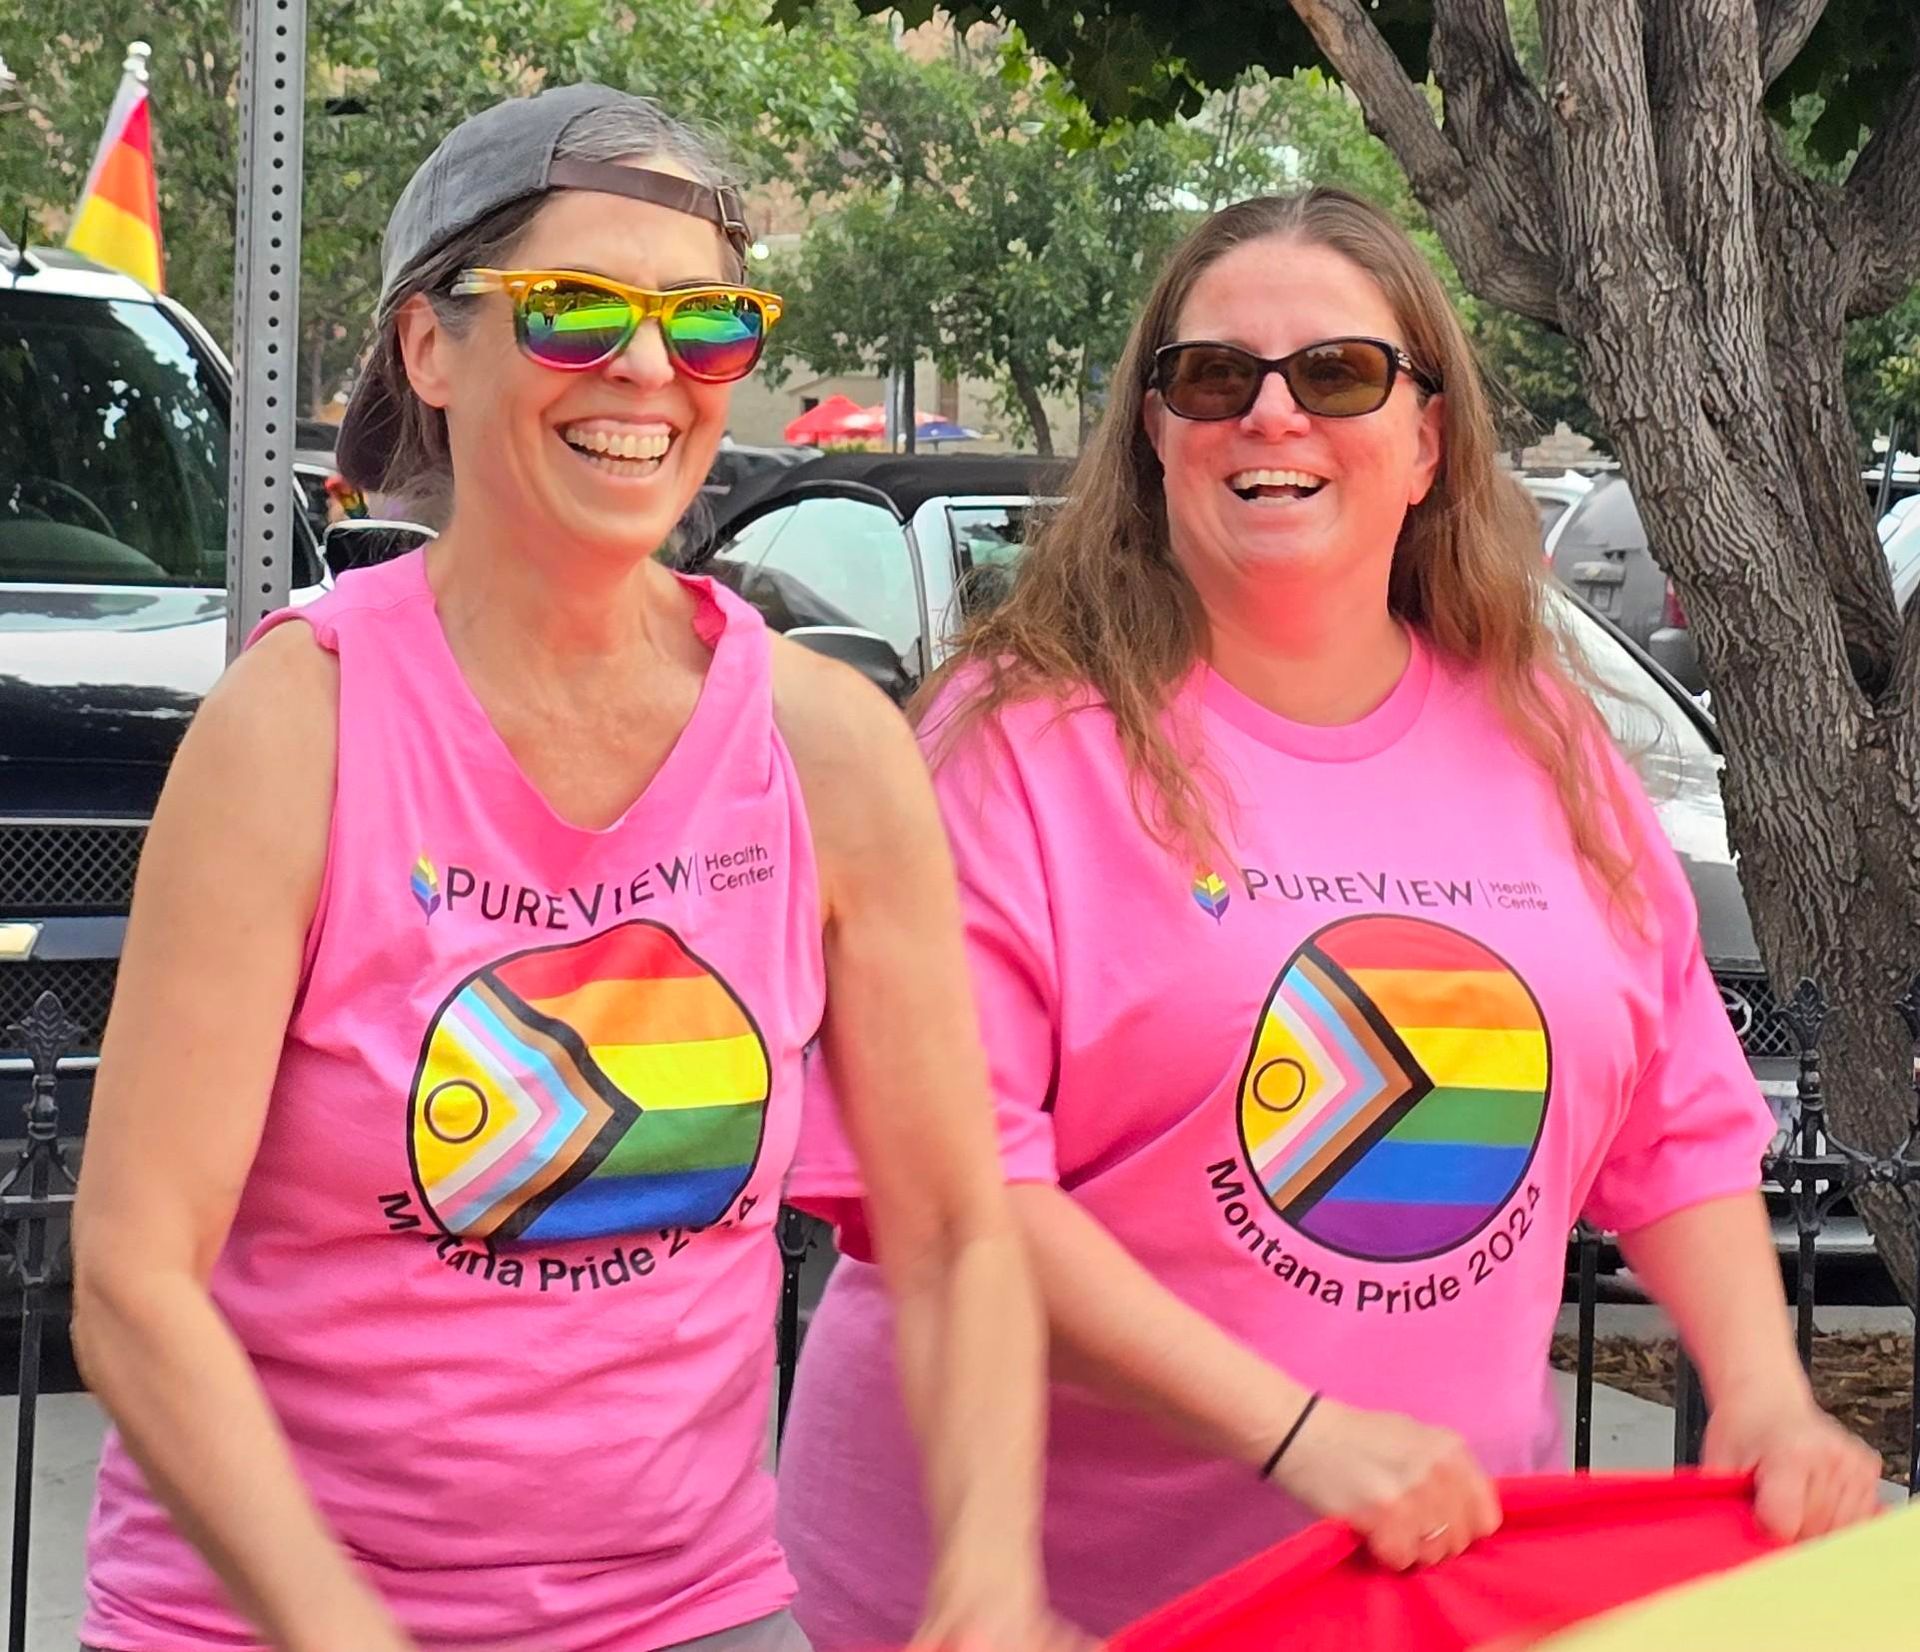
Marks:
<point>1600,553</point>
<point>1599,550</point>
<point>1903,558</point>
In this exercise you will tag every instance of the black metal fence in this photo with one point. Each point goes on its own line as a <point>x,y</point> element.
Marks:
<point>35,1193</point>
<point>1815,1168</point>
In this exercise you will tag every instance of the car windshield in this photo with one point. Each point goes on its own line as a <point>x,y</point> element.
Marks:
<point>1647,721</point>
<point>1607,518</point>
<point>113,447</point>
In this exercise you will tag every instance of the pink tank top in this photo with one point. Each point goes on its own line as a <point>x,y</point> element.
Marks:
<point>504,1263</point>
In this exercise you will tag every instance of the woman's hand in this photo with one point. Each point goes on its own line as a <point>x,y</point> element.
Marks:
<point>1413,1493</point>
<point>1810,1475</point>
<point>1713,1267</point>
<point>994,1608</point>
<point>359,1620</point>
<point>1001,1630</point>
<point>999,1626</point>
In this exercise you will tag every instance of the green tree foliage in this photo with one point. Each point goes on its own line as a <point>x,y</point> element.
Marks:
<point>971,210</point>
<point>973,214</point>
<point>68,75</point>
<point>385,81</point>
<point>1883,375</point>
<point>1140,57</point>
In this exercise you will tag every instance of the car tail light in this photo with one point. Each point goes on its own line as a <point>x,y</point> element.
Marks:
<point>1673,616</point>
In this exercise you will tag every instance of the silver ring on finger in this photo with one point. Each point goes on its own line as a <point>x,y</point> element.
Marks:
<point>1437,1533</point>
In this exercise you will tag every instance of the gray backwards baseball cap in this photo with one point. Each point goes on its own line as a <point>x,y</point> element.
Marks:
<point>491,160</point>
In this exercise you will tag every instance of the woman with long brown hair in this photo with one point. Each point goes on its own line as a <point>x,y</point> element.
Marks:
<point>1331,964</point>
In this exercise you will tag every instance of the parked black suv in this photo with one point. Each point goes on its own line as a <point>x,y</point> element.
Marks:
<point>114,415</point>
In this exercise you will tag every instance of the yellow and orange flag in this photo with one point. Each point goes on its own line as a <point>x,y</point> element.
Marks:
<point>118,220</point>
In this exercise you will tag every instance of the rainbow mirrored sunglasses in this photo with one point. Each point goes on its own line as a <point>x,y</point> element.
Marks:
<point>572,321</point>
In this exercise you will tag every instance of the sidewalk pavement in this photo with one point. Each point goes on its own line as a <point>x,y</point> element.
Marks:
<point>1628,1433</point>
<point>68,1430</point>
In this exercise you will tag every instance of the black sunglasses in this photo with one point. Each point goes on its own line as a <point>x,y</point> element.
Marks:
<point>1337,378</point>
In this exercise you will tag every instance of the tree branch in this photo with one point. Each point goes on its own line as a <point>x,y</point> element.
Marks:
<point>1784,27</point>
<point>1883,200</point>
<point>1810,261</point>
<point>1394,106</point>
<point>1624,283</point>
<point>1703,98</point>
<point>1490,260</point>
<point>1498,124</point>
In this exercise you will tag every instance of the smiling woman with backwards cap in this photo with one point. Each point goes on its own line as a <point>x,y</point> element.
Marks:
<point>424,1253</point>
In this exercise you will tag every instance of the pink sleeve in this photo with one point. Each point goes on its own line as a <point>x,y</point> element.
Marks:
<point>1007,921</point>
<point>1006,911</point>
<point>1696,1126</point>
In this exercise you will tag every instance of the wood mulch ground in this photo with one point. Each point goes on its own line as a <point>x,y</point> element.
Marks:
<point>1865,1381</point>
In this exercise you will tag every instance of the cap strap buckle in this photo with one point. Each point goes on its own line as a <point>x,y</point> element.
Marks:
<point>718,205</point>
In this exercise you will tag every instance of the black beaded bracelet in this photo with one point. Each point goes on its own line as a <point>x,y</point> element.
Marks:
<point>1293,1434</point>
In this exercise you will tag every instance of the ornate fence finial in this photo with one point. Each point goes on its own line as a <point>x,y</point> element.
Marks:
<point>1807,1013</point>
<point>46,1034</point>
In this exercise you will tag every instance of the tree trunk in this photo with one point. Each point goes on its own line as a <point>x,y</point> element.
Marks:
<point>1825,823</point>
<point>1028,394</point>
<point>1718,375</point>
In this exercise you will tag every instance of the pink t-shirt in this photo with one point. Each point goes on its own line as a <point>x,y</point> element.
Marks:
<point>503,1263</point>
<point>1345,1092</point>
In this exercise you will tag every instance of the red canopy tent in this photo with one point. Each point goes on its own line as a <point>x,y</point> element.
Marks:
<point>837,419</point>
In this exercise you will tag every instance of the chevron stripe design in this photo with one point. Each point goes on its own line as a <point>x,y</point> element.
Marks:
<point>607,1086</point>
<point>1396,1088</point>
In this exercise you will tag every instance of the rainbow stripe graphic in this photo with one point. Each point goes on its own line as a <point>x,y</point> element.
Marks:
<point>1396,1088</point>
<point>425,884</point>
<point>571,1092</point>
<point>1210,895</point>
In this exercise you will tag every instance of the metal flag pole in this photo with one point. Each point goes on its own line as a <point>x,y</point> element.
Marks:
<point>266,312</point>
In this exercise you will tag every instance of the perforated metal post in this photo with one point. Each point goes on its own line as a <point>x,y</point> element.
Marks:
<point>266,312</point>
